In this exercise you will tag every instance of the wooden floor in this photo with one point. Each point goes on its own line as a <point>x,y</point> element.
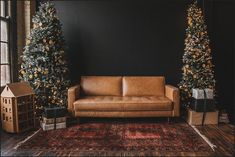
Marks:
<point>221,135</point>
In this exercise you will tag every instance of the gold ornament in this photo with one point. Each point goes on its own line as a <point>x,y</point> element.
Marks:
<point>23,72</point>
<point>35,25</point>
<point>44,40</point>
<point>51,42</point>
<point>39,69</point>
<point>30,76</point>
<point>190,21</point>
<point>47,48</point>
<point>35,75</point>
<point>27,42</point>
<point>46,71</point>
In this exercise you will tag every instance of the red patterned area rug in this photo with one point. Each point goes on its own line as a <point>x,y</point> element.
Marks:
<point>118,139</point>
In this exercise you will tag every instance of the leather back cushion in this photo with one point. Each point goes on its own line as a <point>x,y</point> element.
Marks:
<point>146,86</point>
<point>101,85</point>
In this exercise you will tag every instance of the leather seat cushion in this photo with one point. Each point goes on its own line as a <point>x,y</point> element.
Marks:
<point>129,103</point>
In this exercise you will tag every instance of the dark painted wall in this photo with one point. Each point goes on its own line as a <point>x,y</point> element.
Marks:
<point>124,37</point>
<point>144,37</point>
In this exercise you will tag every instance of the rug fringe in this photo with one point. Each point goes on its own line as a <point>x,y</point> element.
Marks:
<point>26,139</point>
<point>205,138</point>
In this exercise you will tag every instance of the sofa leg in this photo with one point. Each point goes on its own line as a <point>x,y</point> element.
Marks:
<point>168,120</point>
<point>78,120</point>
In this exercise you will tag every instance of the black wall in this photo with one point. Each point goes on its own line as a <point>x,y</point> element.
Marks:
<point>144,37</point>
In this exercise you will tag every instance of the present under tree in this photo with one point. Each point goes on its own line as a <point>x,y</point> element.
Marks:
<point>197,59</point>
<point>44,61</point>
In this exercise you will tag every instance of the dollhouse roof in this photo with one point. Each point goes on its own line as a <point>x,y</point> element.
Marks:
<point>17,90</point>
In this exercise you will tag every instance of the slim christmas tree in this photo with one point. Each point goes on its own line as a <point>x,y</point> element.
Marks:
<point>44,63</point>
<point>197,59</point>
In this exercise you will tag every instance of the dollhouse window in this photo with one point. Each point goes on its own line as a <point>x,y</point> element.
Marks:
<point>5,101</point>
<point>3,116</point>
<point>18,99</point>
<point>6,109</point>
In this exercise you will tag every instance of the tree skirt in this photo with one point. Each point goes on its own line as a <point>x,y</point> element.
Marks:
<point>95,138</point>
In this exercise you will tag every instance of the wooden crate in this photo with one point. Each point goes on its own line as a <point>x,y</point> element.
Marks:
<point>195,118</point>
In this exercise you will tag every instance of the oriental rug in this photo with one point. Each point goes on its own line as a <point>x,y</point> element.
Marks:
<point>117,139</point>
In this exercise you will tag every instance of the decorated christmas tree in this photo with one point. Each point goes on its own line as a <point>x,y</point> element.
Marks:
<point>197,59</point>
<point>44,63</point>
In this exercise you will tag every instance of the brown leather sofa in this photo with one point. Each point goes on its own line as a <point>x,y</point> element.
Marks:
<point>114,96</point>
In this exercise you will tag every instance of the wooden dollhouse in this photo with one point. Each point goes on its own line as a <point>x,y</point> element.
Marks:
<point>17,107</point>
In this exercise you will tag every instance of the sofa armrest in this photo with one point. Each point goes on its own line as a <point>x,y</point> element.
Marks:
<point>73,95</point>
<point>172,93</point>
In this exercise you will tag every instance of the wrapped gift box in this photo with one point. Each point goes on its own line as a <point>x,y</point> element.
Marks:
<point>46,127</point>
<point>202,105</point>
<point>223,117</point>
<point>202,93</point>
<point>54,111</point>
<point>209,93</point>
<point>197,93</point>
<point>53,120</point>
<point>195,118</point>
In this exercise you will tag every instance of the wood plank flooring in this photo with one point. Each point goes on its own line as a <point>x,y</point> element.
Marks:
<point>221,135</point>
